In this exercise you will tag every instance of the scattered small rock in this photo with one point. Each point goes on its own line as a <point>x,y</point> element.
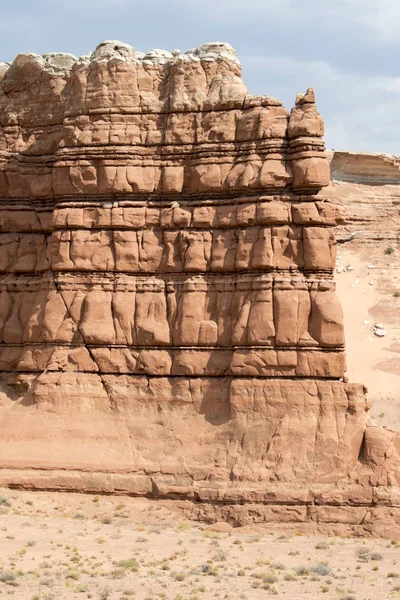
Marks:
<point>379,330</point>
<point>221,527</point>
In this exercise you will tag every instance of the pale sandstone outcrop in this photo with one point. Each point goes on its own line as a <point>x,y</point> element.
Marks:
<point>168,318</point>
<point>365,188</point>
<point>368,169</point>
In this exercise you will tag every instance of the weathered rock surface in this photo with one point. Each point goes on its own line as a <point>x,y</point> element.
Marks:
<point>168,318</point>
<point>366,190</point>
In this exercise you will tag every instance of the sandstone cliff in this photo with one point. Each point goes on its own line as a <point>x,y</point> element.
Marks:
<point>169,321</point>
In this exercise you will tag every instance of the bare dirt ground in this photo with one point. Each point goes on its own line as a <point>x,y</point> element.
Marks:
<point>368,285</point>
<point>73,546</point>
<point>369,243</point>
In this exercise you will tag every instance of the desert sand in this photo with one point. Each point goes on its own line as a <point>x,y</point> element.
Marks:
<point>367,274</point>
<point>368,295</point>
<point>72,546</point>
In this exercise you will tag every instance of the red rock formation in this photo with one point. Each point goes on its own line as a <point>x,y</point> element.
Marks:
<point>169,322</point>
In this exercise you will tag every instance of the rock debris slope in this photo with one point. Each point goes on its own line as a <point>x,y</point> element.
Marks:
<point>169,322</point>
<point>366,187</point>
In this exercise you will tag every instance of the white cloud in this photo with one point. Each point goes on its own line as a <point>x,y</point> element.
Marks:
<point>360,111</point>
<point>382,17</point>
<point>355,45</point>
<point>379,18</point>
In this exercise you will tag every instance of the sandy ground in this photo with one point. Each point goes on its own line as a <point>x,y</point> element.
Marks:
<point>67,546</point>
<point>367,292</point>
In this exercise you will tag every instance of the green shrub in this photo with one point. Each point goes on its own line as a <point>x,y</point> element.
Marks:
<point>131,564</point>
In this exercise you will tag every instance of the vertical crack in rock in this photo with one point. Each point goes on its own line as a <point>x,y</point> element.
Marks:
<point>168,248</point>
<point>87,346</point>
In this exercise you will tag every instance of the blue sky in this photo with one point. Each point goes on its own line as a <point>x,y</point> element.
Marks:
<point>348,50</point>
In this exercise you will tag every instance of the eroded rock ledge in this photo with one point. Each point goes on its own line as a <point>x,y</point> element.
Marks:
<point>168,318</point>
<point>364,168</point>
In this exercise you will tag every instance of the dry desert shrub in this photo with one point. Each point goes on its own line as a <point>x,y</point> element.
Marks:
<point>8,576</point>
<point>363,553</point>
<point>376,556</point>
<point>322,569</point>
<point>130,564</point>
<point>321,546</point>
<point>106,521</point>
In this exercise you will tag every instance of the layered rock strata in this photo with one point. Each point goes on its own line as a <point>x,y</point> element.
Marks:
<point>366,188</point>
<point>169,321</point>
